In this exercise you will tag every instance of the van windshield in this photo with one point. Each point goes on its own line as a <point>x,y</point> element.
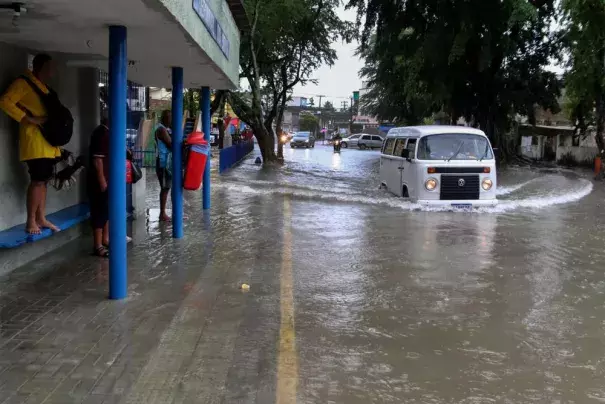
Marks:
<point>454,146</point>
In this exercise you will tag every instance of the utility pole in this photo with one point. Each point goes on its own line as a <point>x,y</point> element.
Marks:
<point>321,116</point>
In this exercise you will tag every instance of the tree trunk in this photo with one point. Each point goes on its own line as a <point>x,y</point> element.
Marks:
<point>600,124</point>
<point>279,125</point>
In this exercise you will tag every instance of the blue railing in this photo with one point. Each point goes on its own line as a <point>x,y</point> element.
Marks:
<point>230,156</point>
<point>144,158</point>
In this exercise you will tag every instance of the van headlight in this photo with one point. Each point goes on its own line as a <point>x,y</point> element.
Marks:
<point>487,184</point>
<point>431,184</point>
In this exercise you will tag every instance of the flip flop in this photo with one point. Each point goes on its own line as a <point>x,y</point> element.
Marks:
<point>101,252</point>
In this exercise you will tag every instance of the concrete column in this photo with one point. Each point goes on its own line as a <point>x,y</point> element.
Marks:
<point>118,71</point>
<point>206,126</point>
<point>177,152</point>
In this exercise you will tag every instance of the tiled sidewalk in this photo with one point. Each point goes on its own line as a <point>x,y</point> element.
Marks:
<point>185,334</point>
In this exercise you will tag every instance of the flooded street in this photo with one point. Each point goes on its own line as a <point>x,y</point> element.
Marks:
<point>393,304</point>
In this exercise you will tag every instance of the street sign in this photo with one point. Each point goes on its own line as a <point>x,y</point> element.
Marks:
<point>355,96</point>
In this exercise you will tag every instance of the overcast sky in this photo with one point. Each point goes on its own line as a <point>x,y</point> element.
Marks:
<point>338,82</point>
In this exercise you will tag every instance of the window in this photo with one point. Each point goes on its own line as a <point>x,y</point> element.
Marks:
<point>389,145</point>
<point>576,141</point>
<point>454,146</point>
<point>411,146</point>
<point>377,138</point>
<point>366,137</point>
<point>399,146</point>
<point>534,140</point>
<point>562,140</point>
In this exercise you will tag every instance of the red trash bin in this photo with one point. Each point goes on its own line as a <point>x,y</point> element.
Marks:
<point>198,152</point>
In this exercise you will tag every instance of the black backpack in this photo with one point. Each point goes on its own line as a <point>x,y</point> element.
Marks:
<point>59,125</point>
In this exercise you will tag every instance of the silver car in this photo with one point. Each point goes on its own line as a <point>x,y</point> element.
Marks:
<point>350,141</point>
<point>363,141</point>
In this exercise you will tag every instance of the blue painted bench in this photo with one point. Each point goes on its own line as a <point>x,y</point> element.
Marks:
<point>63,219</point>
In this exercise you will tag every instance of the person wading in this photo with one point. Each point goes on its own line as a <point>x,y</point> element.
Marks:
<point>163,143</point>
<point>22,103</point>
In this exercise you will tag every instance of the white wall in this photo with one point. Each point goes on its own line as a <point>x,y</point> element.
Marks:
<point>535,152</point>
<point>78,90</point>
<point>586,151</point>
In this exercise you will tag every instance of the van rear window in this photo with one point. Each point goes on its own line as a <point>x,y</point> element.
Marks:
<point>389,146</point>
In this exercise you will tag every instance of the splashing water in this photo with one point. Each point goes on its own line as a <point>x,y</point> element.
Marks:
<point>344,194</point>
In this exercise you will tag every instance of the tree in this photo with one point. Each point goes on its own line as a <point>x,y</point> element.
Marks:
<point>288,40</point>
<point>309,123</point>
<point>328,106</point>
<point>482,60</point>
<point>585,82</point>
<point>311,102</point>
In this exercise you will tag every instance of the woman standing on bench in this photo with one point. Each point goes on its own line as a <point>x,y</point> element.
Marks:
<point>22,103</point>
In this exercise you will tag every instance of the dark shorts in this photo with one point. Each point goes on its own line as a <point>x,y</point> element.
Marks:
<point>164,176</point>
<point>41,170</point>
<point>99,208</point>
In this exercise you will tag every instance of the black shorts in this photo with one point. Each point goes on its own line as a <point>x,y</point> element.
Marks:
<point>41,170</point>
<point>99,208</point>
<point>164,176</point>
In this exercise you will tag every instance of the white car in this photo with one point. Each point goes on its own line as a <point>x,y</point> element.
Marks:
<point>363,141</point>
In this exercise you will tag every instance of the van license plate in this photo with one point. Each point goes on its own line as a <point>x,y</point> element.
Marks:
<point>462,206</point>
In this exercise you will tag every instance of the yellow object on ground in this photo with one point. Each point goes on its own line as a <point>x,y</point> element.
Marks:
<point>245,286</point>
<point>18,99</point>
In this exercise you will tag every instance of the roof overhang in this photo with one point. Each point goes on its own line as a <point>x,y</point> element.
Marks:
<point>77,32</point>
<point>239,14</point>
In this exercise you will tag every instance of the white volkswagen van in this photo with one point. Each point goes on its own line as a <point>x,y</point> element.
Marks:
<point>440,165</point>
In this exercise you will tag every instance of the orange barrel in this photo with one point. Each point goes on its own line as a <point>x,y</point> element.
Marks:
<point>197,155</point>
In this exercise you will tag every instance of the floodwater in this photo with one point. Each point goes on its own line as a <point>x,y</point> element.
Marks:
<point>390,303</point>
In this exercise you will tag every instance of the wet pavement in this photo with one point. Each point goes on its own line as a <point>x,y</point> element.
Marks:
<point>356,296</point>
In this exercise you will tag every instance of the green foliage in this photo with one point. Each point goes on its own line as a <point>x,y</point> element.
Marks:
<point>308,123</point>
<point>482,60</point>
<point>585,82</point>
<point>328,106</point>
<point>288,41</point>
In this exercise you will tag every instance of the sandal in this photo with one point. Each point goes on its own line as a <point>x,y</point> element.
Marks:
<point>101,252</point>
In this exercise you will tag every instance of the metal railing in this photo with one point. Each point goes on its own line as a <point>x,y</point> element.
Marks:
<point>230,156</point>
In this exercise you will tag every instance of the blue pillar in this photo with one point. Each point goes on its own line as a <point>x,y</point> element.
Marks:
<point>177,152</point>
<point>205,107</point>
<point>118,66</point>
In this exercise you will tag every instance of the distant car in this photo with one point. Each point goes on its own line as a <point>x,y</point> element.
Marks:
<point>369,142</point>
<point>350,141</point>
<point>302,139</point>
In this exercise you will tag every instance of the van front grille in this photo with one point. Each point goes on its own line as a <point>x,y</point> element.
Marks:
<point>459,187</point>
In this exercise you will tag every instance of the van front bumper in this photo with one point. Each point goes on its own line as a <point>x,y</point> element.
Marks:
<point>475,203</point>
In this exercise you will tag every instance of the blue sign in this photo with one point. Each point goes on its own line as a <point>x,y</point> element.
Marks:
<point>203,10</point>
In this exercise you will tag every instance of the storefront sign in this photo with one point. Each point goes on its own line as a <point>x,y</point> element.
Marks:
<point>203,10</point>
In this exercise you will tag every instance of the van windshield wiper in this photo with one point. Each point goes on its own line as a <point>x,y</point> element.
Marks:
<point>485,153</point>
<point>457,151</point>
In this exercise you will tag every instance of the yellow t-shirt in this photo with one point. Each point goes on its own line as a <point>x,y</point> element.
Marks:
<point>18,99</point>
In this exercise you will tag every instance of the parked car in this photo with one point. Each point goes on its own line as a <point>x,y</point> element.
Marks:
<point>369,142</point>
<point>302,139</point>
<point>350,141</point>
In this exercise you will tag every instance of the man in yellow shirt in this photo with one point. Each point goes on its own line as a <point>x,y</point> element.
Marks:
<point>22,103</point>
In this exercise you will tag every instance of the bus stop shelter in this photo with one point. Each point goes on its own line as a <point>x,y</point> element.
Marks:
<point>173,44</point>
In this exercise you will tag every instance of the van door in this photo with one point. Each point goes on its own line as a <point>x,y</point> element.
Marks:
<point>387,163</point>
<point>409,173</point>
<point>397,168</point>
